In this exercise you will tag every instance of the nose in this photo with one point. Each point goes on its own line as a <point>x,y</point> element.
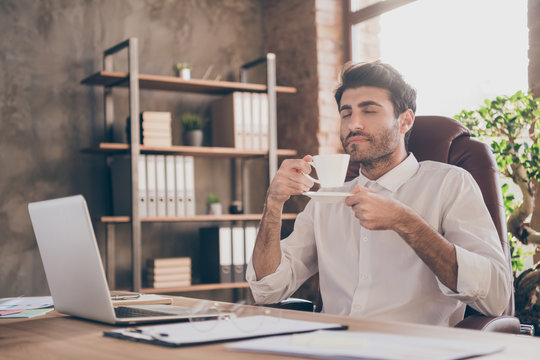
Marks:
<point>355,122</point>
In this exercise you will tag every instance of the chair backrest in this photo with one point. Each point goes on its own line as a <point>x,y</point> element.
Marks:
<point>443,139</point>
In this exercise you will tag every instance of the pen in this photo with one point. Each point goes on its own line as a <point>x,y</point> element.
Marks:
<point>125,297</point>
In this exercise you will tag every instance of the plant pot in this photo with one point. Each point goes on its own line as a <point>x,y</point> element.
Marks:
<point>215,209</point>
<point>185,74</point>
<point>193,137</point>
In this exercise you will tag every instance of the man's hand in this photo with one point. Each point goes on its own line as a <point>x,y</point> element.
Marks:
<point>290,180</point>
<point>375,211</point>
<point>380,212</point>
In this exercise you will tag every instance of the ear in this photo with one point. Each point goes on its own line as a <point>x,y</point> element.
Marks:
<point>406,121</point>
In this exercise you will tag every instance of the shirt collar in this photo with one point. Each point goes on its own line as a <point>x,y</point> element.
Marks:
<point>396,177</point>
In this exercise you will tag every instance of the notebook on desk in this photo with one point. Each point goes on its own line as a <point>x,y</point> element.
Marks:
<point>74,270</point>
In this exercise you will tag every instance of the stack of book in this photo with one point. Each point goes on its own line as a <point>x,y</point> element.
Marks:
<point>169,272</point>
<point>155,127</point>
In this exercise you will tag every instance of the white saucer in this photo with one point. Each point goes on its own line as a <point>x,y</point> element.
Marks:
<point>328,197</point>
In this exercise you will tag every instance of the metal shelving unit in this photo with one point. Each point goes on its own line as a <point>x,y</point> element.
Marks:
<point>134,81</point>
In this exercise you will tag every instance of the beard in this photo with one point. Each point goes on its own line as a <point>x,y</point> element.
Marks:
<point>376,149</point>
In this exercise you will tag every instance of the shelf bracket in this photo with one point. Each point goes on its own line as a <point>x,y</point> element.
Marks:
<point>131,45</point>
<point>270,60</point>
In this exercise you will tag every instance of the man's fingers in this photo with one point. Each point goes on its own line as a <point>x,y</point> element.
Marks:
<point>359,188</point>
<point>298,165</point>
<point>300,179</point>
<point>307,158</point>
<point>357,193</point>
<point>292,188</point>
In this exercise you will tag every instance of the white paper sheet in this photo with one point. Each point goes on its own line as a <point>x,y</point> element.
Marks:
<point>326,344</point>
<point>26,303</point>
<point>30,313</point>
<point>199,332</point>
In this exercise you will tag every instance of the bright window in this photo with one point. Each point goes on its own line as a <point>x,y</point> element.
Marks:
<point>455,53</point>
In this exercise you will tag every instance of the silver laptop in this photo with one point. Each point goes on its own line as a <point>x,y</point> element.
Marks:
<point>74,271</point>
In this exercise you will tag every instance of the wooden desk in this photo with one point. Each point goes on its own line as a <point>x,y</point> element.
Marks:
<point>56,336</point>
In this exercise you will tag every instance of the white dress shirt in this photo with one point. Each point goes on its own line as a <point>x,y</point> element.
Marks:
<point>376,274</point>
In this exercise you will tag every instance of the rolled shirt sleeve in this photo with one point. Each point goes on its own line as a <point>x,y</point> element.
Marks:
<point>298,263</point>
<point>484,275</point>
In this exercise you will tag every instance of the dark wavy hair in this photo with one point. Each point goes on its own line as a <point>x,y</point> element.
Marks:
<point>377,74</point>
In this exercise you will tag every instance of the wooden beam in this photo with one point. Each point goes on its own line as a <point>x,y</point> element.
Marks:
<point>374,10</point>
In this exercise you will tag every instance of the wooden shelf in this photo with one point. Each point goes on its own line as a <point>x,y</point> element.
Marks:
<point>173,83</point>
<point>197,218</point>
<point>197,287</point>
<point>189,150</point>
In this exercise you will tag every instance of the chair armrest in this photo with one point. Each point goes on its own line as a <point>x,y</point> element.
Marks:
<point>503,324</point>
<point>293,304</point>
<point>527,329</point>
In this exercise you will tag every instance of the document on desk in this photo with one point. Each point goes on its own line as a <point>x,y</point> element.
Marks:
<point>26,314</point>
<point>359,345</point>
<point>210,331</point>
<point>26,303</point>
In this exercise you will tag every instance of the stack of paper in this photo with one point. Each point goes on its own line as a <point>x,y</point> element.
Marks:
<point>357,345</point>
<point>155,128</point>
<point>25,307</point>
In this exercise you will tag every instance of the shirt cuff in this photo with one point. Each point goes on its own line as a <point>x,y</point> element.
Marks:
<point>473,278</point>
<point>264,290</point>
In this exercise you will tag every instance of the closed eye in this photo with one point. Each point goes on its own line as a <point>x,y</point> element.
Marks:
<point>346,114</point>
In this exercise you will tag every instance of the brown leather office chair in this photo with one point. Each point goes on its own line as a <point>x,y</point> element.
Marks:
<point>444,139</point>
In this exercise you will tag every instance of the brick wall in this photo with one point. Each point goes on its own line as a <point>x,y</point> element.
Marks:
<point>307,38</point>
<point>290,33</point>
<point>328,20</point>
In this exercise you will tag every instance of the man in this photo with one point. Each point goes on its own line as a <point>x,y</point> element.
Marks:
<point>414,242</point>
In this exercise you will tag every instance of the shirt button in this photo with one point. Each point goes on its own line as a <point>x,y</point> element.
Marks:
<point>364,239</point>
<point>363,276</point>
<point>358,306</point>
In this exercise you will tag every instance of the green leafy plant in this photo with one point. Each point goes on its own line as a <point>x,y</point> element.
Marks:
<point>512,126</point>
<point>213,199</point>
<point>181,65</point>
<point>191,121</point>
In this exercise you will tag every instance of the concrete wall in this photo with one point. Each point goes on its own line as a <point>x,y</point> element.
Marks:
<point>46,117</point>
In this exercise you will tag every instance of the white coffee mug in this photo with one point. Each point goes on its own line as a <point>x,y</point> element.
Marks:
<point>331,169</point>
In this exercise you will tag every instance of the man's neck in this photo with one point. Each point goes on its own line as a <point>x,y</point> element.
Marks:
<point>373,170</point>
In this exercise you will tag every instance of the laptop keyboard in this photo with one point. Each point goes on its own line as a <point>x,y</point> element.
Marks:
<point>165,310</point>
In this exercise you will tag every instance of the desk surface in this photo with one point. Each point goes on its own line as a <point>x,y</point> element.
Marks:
<point>56,336</point>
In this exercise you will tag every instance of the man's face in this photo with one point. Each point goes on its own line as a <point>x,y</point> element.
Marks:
<point>369,129</point>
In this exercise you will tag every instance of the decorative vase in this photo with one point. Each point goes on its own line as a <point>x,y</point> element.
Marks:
<point>193,138</point>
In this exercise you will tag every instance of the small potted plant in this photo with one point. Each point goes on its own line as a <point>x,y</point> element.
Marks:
<point>193,134</point>
<point>183,70</point>
<point>214,206</point>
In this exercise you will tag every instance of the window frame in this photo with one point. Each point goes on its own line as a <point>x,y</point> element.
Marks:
<point>352,18</point>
